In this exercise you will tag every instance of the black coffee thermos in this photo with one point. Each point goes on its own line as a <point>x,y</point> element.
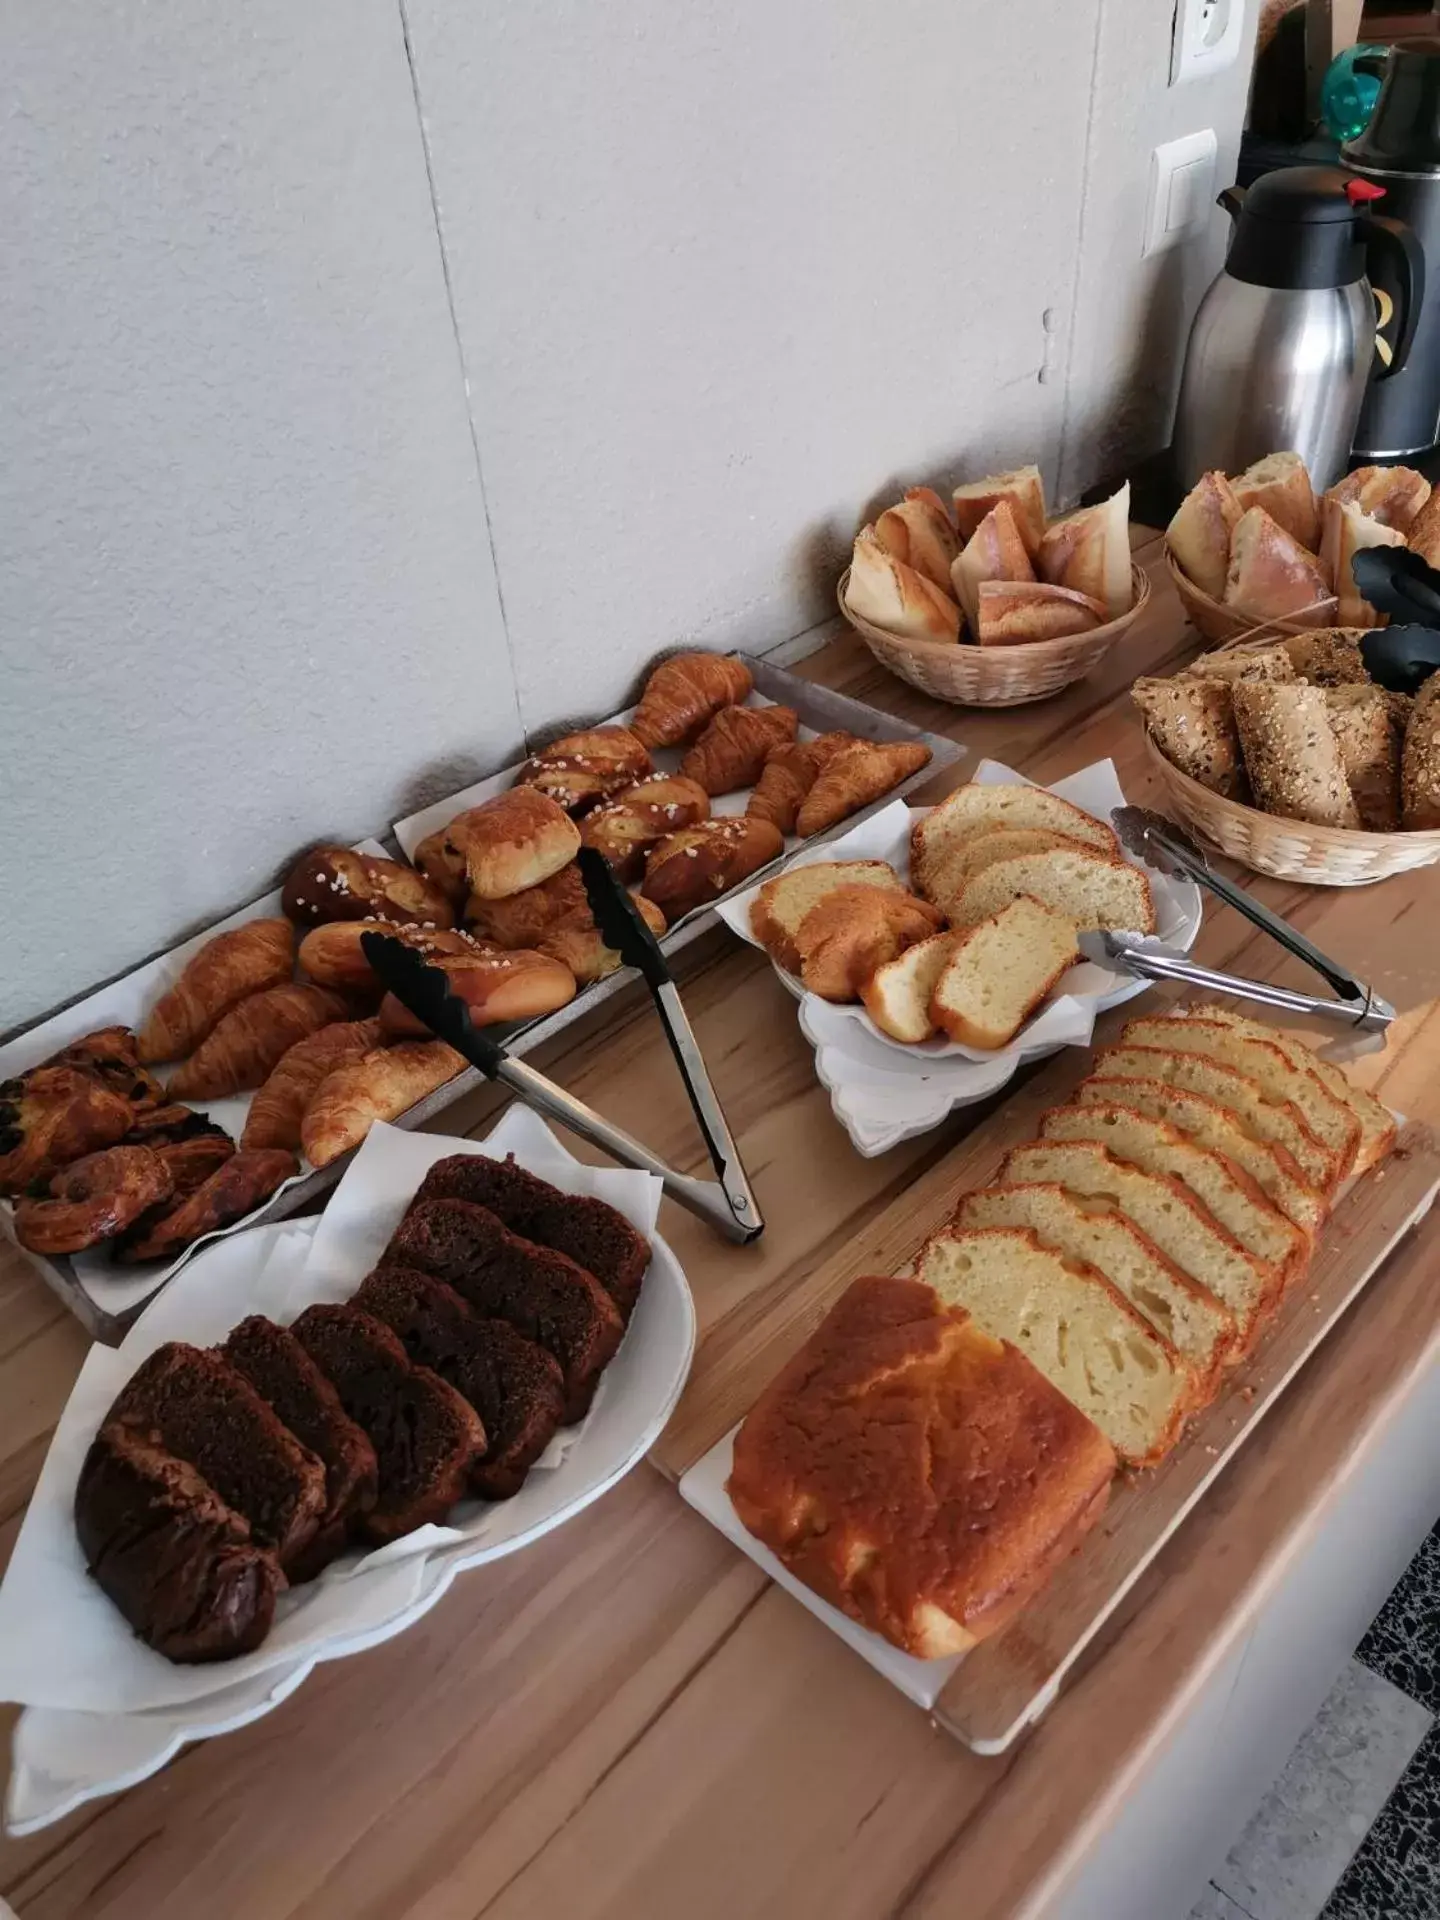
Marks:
<point>1400,151</point>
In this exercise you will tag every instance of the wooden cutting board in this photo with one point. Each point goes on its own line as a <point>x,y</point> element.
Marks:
<point>1008,1680</point>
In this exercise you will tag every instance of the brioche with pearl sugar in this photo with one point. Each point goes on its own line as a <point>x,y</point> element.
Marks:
<point>336,883</point>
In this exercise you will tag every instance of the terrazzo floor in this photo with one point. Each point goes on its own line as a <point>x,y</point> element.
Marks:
<point>1351,1829</point>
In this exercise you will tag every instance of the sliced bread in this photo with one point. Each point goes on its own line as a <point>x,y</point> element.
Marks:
<point>1376,1121</point>
<point>999,970</point>
<point>1071,1323</point>
<point>1332,1122</point>
<point>1209,1124</point>
<point>1194,1322</point>
<point>1274,1121</point>
<point>972,810</point>
<point>782,903</point>
<point>947,876</point>
<point>1091,889</point>
<point>1224,1188</point>
<point>1166,1212</point>
<point>897,996</point>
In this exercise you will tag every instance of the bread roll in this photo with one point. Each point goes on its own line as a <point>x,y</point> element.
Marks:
<point>496,988</point>
<point>334,956</point>
<point>1192,721</point>
<point>1291,754</point>
<point>336,883</point>
<point>514,841</point>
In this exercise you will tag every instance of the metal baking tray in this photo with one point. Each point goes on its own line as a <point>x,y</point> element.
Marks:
<point>820,709</point>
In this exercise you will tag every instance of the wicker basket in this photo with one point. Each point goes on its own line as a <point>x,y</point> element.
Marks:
<point>1218,623</point>
<point>1291,849</point>
<point>970,676</point>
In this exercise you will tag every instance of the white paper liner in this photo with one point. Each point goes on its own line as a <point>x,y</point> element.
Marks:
<point>63,1644</point>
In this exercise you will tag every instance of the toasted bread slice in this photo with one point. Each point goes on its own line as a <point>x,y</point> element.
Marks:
<point>1223,1132</point>
<point>972,810</point>
<point>1022,488</point>
<point>1165,1211</point>
<point>1198,1325</point>
<point>782,903</point>
<point>1331,1121</point>
<point>1276,1122</point>
<point>1376,1121</point>
<point>1221,1186</point>
<point>1091,889</point>
<point>897,995</point>
<point>1074,1325</point>
<point>999,970</point>
<point>1272,577</point>
<point>1280,483</point>
<point>1199,535</point>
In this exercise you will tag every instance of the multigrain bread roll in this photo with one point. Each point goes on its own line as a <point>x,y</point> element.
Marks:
<point>1291,754</point>
<point>1420,760</point>
<point>1369,742</point>
<point>915,1472</point>
<point>1330,658</point>
<point>1192,721</point>
<point>1271,661</point>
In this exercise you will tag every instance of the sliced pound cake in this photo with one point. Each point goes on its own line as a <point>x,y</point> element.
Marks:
<point>1376,1121</point>
<point>1091,889</point>
<point>1165,1212</point>
<point>1223,1132</point>
<point>1225,1189</point>
<point>1071,1323</point>
<point>973,810</point>
<point>1274,1121</point>
<point>897,995</point>
<point>1332,1122</point>
<point>947,877</point>
<point>782,903</point>
<point>1191,1319</point>
<point>999,971</point>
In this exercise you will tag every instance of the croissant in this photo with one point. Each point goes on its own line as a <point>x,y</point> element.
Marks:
<point>512,842</point>
<point>333,956</point>
<point>521,918</point>
<point>695,866</point>
<point>443,865</point>
<point>851,931</point>
<point>583,768</point>
<point>243,1183</point>
<point>790,771</point>
<point>496,987</point>
<point>634,820</point>
<point>731,752</point>
<point>378,1086</point>
<point>253,1038</point>
<point>277,1109</point>
<point>682,693</point>
<point>258,955</point>
<point>53,1115</point>
<point>336,883</point>
<point>856,777</point>
<point>576,941</point>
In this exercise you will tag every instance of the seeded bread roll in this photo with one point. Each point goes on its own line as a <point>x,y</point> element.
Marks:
<point>1270,662</point>
<point>1192,721</point>
<point>1331,658</point>
<point>1369,743</point>
<point>1420,762</point>
<point>1291,754</point>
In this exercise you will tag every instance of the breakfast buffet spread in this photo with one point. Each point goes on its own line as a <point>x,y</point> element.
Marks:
<point>935,1451</point>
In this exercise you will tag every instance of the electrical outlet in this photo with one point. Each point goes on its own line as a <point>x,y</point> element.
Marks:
<point>1207,37</point>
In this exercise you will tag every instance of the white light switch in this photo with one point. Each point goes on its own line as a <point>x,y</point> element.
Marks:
<point>1182,186</point>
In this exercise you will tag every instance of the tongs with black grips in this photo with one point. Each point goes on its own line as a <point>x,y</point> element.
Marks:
<point>726,1203</point>
<point>1166,847</point>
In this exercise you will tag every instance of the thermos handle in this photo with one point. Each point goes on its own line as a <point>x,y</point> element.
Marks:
<point>1407,257</point>
<point>1232,199</point>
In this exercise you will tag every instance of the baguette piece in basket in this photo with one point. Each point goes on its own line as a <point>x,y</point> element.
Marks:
<point>996,550</point>
<point>919,533</point>
<point>1089,551</point>
<point>1280,483</point>
<point>1199,535</point>
<point>1023,489</point>
<point>915,1472</point>
<point>1272,577</point>
<point>1015,613</point>
<point>1347,530</point>
<point>894,596</point>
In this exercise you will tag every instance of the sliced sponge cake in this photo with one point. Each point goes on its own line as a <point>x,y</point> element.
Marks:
<point>973,810</point>
<point>1192,1320</point>
<point>947,875</point>
<point>1211,1125</point>
<point>1156,1147</point>
<point>1165,1212</point>
<point>1071,1323</point>
<point>1000,969</point>
<point>782,903</point>
<point>1331,1121</point>
<point>897,995</point>
<point>1092,889</point>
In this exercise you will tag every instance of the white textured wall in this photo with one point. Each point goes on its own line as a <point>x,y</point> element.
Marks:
<point>719,276</point>
<point>245,596</point>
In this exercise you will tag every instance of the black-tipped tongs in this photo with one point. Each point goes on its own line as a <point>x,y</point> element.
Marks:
<point>727,1202</point>
<point>1168,848</point>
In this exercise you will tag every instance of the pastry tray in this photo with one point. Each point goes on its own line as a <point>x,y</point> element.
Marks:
<point>820,709</point>
<point>987,1697</point>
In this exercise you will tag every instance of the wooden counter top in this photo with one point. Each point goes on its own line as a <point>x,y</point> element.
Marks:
<point>627,1720</point>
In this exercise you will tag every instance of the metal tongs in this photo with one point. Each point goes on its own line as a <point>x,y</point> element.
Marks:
<point>1163,845</point>
<point>726,1203</point>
